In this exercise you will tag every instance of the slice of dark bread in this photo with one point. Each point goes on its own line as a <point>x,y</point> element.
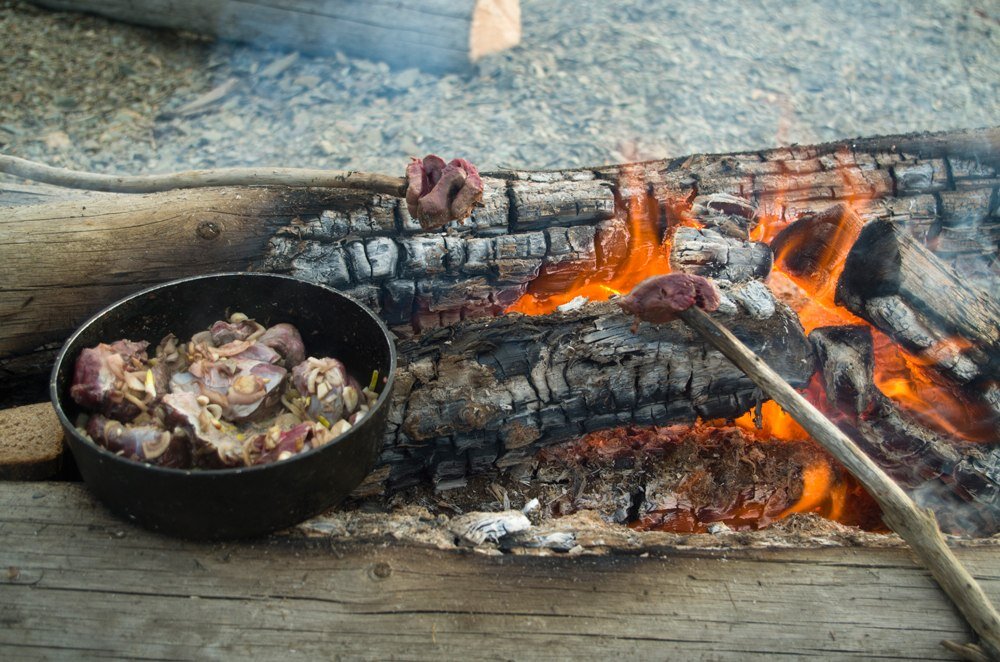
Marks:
<point>31,442</point>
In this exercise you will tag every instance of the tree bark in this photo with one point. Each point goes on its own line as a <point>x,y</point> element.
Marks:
<point>437,35</point>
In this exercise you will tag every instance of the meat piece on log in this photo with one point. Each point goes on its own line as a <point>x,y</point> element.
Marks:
<point>904,290</point>
<point>436,35</point>
<point>491,392</point>
<point>958,480</point>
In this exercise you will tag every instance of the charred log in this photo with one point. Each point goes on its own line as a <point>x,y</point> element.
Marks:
<point>812,246</point>
<point>903,289</point>
<point>491,392</point>
<point>959,481</point>
<point>707,252</point>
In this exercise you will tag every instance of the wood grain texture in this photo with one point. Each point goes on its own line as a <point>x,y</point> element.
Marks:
<point>77,583</point>
<point>437,35</point>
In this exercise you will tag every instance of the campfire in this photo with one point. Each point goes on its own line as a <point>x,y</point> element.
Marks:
<point>538,405</point>
<point>901,391</point>
<point>859,272</point>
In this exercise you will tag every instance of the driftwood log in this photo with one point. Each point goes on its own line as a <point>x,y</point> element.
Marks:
<point>437,35</point>
<point>62,261</point>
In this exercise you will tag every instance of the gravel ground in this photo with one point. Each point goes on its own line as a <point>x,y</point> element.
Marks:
<point>592,83</point>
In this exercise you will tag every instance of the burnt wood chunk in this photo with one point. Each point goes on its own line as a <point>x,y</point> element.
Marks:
<point>920,176</point>
<point>958,480</point>
<point>539,205</point>
<point>507,386</point>
<point>902,288</point>
<point>728,215</point>
<point>706,252</point>
<point>811,247</point>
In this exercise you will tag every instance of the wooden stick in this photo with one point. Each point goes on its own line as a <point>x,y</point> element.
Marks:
<point>915,525</point>
<point>39,172</point>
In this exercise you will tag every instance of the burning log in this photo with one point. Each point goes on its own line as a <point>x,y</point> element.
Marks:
<point>958,480</point>
<point>431,34</point>
<point>902,288</point>
<point>709,253</point>
<point>811,248</point>
<point>62,261</point>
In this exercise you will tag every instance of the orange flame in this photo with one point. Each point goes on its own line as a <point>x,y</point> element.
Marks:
<point>911,383</point>
<point>821,494</point>
<point>623,263</point>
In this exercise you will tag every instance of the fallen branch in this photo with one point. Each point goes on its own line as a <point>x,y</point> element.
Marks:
<point>296,177</point>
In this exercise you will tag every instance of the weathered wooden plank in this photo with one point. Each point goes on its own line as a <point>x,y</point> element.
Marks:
<point>438,35</point>
<point>77,583</point>
<point>62,261</point>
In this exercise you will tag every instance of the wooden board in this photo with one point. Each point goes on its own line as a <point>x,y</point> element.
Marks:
<point>437,35</point>
<point>77,583</point>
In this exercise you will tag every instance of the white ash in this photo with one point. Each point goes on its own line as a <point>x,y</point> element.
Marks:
<point>478,528</point>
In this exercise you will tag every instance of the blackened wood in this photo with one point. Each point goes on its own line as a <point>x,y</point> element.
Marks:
<point>355,241</point>
<point>492,391</point>
<point>903,289</point>
<point>814,245</point>
<point>959,481</point>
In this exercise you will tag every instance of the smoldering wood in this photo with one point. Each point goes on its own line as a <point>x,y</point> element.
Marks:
<point>492,391</point>
<point>958,480</point>
<point>436,35</point>
<point>728,215</point>
<point>813,245</point>
<point>903,289</point>
<point>322,587</point>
